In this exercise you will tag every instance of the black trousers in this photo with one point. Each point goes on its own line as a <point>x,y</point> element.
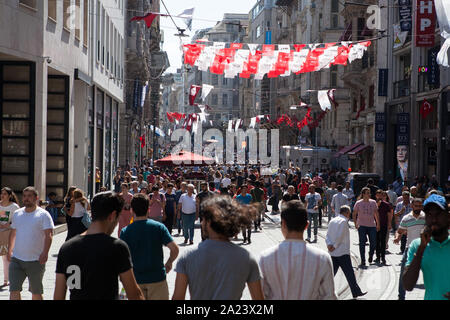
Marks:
<point>381,243</point>
<point>246,233</point>
<point>169,221</point>
<point>403,241</point>
<point>320,216</point>
<point>345,263</point>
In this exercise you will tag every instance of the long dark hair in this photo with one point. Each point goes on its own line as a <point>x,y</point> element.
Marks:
<point>12,195</point>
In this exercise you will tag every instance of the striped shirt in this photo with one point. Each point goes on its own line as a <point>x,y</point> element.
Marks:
<point>294,270</point>
<point>413,226</point>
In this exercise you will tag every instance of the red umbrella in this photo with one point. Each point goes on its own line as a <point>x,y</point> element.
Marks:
<point>184,158</point>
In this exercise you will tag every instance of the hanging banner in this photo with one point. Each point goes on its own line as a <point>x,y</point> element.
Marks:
<point>426,23</point>
<point>383,82</point>
<point>443,16</point>
<point>403,129</point>
<point>433,67</point>
<point>268,39</point>
<point>405,15</point>
<point>380,127</point>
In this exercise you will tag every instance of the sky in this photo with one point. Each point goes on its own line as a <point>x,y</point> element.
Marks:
<point>212,10</point>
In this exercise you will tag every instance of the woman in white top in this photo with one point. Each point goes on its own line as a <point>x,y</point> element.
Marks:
<point>8,205</point>
<point>79,204</point>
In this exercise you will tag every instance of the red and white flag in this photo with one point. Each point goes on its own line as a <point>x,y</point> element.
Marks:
<point>426,109</point>
<point>193,92</point>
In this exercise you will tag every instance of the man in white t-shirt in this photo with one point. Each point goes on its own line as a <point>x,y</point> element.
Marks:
<point>29,243</point>
<point>187,210</point>
<point>226,181</point>
<point>313,201</point>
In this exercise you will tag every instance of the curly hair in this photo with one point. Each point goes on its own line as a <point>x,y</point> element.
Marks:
<point>227,216</point>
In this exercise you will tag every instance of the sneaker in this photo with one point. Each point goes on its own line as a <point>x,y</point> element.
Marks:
<point>249,241</point>
<point>370,259</point>
<point>315,239</point>
<point>377,260</point>
<point>191,242</point>
<point>363,263</point>
<point>383,261</point>
<point>185,241</point>
<point>308,239</point>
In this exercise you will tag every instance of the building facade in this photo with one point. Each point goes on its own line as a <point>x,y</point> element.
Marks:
<point>61,80</point>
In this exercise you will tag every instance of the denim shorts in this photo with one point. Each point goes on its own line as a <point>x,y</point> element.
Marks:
<point>19,270</point>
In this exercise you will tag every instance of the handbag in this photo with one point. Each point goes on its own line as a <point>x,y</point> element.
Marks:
<point>4,242</point>
<point>86,220</point>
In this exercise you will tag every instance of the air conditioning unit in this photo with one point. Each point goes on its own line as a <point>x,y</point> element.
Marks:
<point>306,160</point>
<point>324,161</point>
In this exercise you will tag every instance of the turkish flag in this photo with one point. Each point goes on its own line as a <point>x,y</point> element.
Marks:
<point>426,108</point>
<point>148,18</point>
<point>193,92</point>
<point>142,140</point>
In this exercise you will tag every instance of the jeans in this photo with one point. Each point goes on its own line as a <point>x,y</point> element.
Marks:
<point>381,243</point>
<point>346,265</point>
<point>169,221</point>
<point>188,221</point>
<point>363,232</point>
<point>179,224</point>
<point>401,289</point>
<point>246,233</point>
<point>312,218</point>
<point>320,216</point>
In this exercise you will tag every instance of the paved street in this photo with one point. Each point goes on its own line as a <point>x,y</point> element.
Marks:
<point>380,282</point>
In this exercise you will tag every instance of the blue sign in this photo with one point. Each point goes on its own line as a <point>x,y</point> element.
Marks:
<point>433,68</point>
<point>402,129</point>
<point>380,127</point>
<point>268,37</point>
<point>383,82</point>
<point>405,13</point>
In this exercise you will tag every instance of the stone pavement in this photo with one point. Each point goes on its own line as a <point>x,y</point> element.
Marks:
<point>380,281</point>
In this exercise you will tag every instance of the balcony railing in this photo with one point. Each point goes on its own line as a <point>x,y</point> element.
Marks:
<point>402,88</point>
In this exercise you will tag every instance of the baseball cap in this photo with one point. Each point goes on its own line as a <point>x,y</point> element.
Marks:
<point>436,199</point>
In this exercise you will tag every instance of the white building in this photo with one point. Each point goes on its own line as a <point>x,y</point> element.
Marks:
<point>61,78</point>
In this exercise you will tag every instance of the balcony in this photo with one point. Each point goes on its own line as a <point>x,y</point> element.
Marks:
<point>402,88</point>
<point>423,85</point>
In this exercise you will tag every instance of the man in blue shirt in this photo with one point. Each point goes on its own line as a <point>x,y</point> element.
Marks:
<point>245,198</point>
<point>431,252</point>
<point>145,238</point>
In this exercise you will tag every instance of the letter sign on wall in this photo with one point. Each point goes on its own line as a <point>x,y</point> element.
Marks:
<point>426,23</point>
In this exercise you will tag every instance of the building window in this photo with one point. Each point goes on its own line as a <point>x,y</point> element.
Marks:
<point>77,18</point>
<point>224,81</point>
<point>333,76</point>
<point>97,27</point>
<point>361,28</point>
<point>28,3</point>
<point>107,42</point>
<point>214,100</point>
<point>103,35</point>
<point>51,7</point>
<point>225,99</point>
<point>85,22</point>
<point>214,79</point>
<point>335,14</point>
<point>66,15</point>
<point>371,96</point>
<point>258,32</point>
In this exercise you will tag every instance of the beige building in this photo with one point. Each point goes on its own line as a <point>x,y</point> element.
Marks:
<point>61,78</point>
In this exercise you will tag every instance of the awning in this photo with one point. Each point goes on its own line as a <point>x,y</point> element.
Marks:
<point>359,149</point>
<point>346,149</point>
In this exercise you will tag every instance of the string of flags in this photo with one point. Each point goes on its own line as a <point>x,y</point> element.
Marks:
<point>270,61</point>
<point>149,17</point>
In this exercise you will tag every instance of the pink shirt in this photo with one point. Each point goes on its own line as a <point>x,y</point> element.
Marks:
<point>155,210</point>
<point>366,212</point>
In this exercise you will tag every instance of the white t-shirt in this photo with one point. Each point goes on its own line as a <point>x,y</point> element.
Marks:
<point>30,237</point>
<point>78,212</point>
<point>313,200</point>
<point>226,182</point>
<point>188,204</point>
<point>6,213</point>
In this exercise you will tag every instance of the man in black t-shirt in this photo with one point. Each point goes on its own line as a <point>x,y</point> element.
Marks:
<point>373,189</point>
<point>90,264</point>
<point>202,196</point>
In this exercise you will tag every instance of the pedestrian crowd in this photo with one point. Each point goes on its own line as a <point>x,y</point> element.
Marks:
<point>151,206</point>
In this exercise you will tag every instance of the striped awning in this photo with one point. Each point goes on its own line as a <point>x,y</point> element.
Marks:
<point>346,150</point>
<point>359,149</point>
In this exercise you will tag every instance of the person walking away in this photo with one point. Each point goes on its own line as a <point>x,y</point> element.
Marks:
<point>431,253</point>
<point>392,195</point>
<point>411,225</point>
<point>187,208</point>
<point>178,193</point>
<point>277,194</point>
<point>257,194</point>
<point>313,201</point>
<point>145,239</point>
<point>53,207</point>
<point>29,242</point>
<point>348,191</point>
<point>79,206</point>
<point>338,200</point>
<point>202,196</point>
<point>118,180</point>
<point>365,217</point>
<point>170,208</point>
<point>8,205</point>
<point>218,269</point>
<point>401,210</point>
<point>329,195</point>
<point>338,243</point>
<point>245,199</point>
<point>125,215</point>
<point>97,258</point>
<point>295,270</point>
<point>385,214</point>
<point>157,205</point>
